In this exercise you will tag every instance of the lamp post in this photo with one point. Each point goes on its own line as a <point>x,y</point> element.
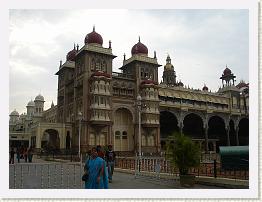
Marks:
<point>79,134</point>
<point>139,124</point>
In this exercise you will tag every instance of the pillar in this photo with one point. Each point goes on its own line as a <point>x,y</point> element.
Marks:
<point>228,138</point>
<point>237,139</point>
<point>206,138</point>
<point>181,127</point>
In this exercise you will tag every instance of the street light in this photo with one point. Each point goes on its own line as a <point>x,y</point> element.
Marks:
<point>139,124</point>
<point>79,130</point>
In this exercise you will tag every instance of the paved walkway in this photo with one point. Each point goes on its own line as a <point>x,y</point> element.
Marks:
<point>43,174</point>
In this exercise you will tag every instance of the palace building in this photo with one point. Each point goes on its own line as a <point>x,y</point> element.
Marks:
<point>104,106</point>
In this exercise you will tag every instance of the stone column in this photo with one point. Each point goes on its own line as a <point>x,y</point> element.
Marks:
<point>228,138</point>
<point>181,127</point>
<point>158,139</point>
<point>206,138</point>
<point>237,139</point>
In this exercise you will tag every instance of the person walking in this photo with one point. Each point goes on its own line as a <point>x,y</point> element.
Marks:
<point>110,160</point>
<point>12,156</point>
<point>95,168</point>
<point>18,154</point>
<point>25,154</point>
<point>30,155</point>
<point>100,153</point>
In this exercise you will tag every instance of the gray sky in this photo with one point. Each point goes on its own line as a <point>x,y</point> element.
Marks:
<point>199,42</point>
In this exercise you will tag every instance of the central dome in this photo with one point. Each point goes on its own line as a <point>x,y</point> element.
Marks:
<point>139,48</point>
<point>94,37</point>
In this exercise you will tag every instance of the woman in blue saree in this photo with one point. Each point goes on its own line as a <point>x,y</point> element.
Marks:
<point>96,169</point>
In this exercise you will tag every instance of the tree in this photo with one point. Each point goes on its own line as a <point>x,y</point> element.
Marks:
<point>183,153</point>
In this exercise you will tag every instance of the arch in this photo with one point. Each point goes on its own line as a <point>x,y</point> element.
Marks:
<point>196,113</point>
<point>50,140</point>
<point>216,130</point>
<point>68,140</point>
<point>232,133</point>
<point>168,123</point>
<point>243,132</point>
<point>193,126</point>
<point>123,129</point>
<point>131,110</point>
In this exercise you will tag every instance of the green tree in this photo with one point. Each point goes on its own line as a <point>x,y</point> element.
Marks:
<point>183,153</point>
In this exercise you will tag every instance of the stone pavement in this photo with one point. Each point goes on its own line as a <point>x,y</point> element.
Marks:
<point>43,174</point>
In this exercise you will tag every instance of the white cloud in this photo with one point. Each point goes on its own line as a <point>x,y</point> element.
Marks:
<point>200,43</point>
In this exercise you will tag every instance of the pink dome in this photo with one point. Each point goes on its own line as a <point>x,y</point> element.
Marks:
<point>227,71</point>
<point>71,55</point>
<point>94,37</point>
<point>139,48</point>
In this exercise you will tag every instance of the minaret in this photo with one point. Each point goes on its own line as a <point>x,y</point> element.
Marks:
<point>169,75</point>
<point>30,108</point>
<point>228,78</point>
<point>39,105</point>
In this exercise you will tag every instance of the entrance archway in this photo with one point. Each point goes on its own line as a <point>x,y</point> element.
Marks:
<point>50,140</point>
<point>123,130</point>
<point>216,130</point>
<point>193,126</point>
<point>243,132</point>
<point>168,125</point>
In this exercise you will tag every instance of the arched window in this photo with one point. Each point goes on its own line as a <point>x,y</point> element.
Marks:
<point>92,139</point>
<point>117,135</point>
<point>151,141</point>
<point>124,135</point>
<point>102,140</point>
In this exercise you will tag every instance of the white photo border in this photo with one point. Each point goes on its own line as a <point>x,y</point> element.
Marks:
<point>251,193</point>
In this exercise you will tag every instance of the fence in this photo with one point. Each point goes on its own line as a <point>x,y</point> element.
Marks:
<point>45,176</point>
<point>158,166</point>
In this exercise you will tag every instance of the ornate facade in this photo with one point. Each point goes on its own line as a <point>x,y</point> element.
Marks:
<point>108,103</point>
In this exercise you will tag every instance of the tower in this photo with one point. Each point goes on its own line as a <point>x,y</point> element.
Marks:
<point>39,105</point>
<point>169,75</point>
<point>30,108</point>
<point>228,78</point>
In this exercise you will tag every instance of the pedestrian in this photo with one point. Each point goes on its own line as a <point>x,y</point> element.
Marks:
<point>18,154</point>
<point>12,156</point>
<point>110,160</point>
<point>30,155</point>
<point>95,167</point>
<point>26,154</point>
<point>100,153</point>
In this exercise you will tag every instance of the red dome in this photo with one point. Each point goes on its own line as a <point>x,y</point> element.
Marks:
<point>205,88</point>
<point>139,48</point>
<point>71,55</point>
<point>227,71</point>
<point>94,37</point>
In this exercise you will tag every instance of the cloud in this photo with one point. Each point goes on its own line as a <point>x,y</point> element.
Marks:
<point>200,43</point>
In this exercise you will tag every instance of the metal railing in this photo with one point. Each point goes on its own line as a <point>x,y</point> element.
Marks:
<point>159,166</point>
<point>45,176</point>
